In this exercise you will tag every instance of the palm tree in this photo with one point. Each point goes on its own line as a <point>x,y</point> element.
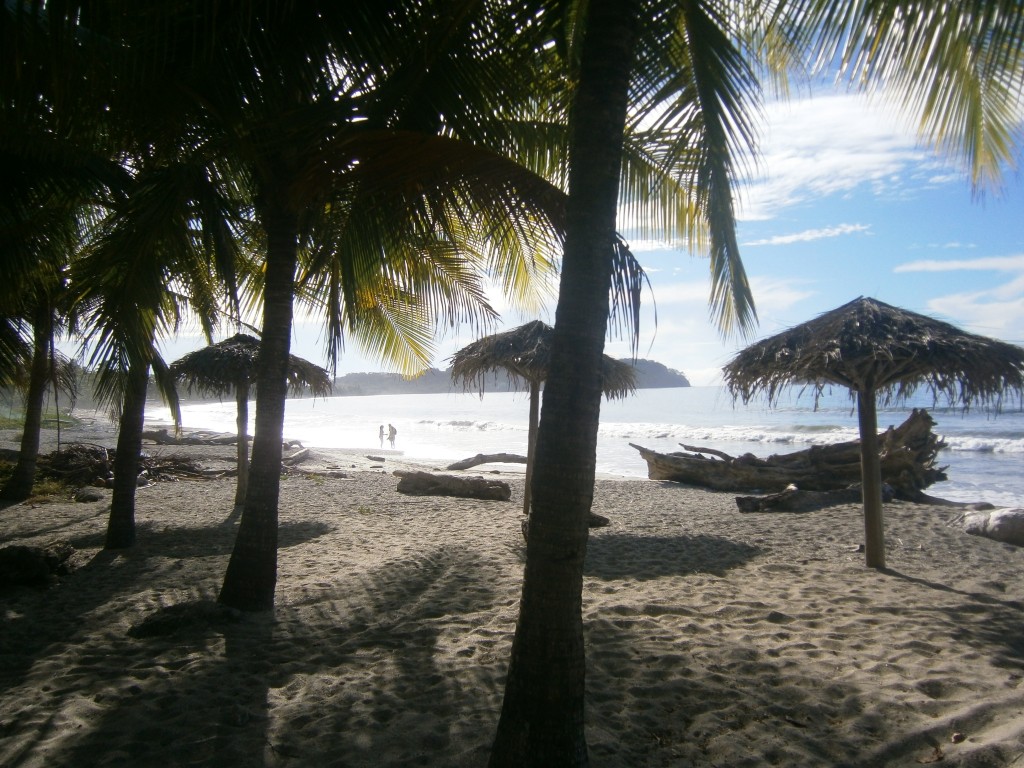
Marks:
<point>164,246</point>
<point>687,58</point>
<point>229,367</point>
<point>51,176</point>
<point>371,204</point>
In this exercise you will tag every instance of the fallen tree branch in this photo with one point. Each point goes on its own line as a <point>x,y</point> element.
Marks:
<point>488,458</point>
<point>792,499</point>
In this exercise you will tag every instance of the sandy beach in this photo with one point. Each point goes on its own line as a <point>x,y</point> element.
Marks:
<point>714,638</point>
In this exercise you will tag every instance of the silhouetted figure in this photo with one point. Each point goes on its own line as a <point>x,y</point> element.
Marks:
<point>381,435</point>
<point>391,434</point>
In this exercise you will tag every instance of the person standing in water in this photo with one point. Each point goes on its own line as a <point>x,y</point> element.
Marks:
<point>381,435</point>
<point>391,434</point>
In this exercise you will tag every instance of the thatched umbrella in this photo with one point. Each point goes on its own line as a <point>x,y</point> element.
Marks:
<point>879,351</point>
<point>523,354</point>
<point>230,366</point>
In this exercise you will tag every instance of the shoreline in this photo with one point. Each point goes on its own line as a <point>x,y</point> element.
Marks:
<point>713,637</point>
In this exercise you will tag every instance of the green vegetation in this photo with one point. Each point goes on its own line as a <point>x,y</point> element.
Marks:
<point>43,487</point>
<point>16,420</point>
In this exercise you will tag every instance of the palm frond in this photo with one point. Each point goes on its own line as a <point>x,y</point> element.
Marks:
<point>956,68</point>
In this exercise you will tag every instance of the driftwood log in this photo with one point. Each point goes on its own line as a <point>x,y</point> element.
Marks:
<point>429,484</point>
<point>907,454</point>
<point>163,437</point>
<point>488,458</point>
<point>1006,525</point>
<point>794,500</point>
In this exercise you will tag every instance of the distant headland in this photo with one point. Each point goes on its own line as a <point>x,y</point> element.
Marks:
<point>649,375</point>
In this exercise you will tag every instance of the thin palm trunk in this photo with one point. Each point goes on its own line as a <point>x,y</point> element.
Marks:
<point>871,481</point>
<point>542,717</point>
<point>121,524</point>
<point>19,485</point>
<point>251,575</point>
<point>531,444</point>
<point>242,425</point>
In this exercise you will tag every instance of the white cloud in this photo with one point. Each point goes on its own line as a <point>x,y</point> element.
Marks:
<point>809,235</point>
<point>989,264</point>
<point>777,296</point>
<point>998,313</point>
<point>832,144</point>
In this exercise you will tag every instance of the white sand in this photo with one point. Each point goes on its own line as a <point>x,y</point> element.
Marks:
<point>714,638</point>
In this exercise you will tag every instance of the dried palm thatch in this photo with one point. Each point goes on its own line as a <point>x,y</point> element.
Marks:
<point>222,368</point>
<point>229,367</point>
<point>869,346</point>
<point>524,355</point>
<point>879,352</point>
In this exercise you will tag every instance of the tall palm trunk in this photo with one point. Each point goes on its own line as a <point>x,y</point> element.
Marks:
<point>121,524</point>
<point>19,485</point>
<point>542,715</point>
<point>242,426</point>
<point>251,575</point>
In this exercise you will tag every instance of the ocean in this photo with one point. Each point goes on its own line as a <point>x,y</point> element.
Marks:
<point>984,452</point>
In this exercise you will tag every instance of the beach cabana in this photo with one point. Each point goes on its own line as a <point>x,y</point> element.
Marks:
<point>230,366</point>
<point>879,352</point>
<point>523,354</point>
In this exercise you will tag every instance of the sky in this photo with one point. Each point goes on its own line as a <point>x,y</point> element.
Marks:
<point>843,202</point>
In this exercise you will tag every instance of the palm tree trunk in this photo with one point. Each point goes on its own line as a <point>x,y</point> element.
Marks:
<point>19,485</point>
<point>251,575</point>
<point>121,524</point>
<point>531,444</point>
<point>542,714</point>
<point>242,425</point>
<point>871,481</point>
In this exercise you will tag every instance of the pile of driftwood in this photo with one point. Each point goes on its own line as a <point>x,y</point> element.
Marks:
<point>908,453</point>
<point>84,464</point>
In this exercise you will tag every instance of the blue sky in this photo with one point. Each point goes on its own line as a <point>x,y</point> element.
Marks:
<point>843,202</point>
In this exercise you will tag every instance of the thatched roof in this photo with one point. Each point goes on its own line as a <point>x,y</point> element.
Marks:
<point>524,354</point>
<point>221,368</point>
<point>870,346</point>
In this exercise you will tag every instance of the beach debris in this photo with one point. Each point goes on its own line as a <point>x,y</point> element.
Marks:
<point>907,454</point>
<point>34,566</point>
<point>89,494</point>
<point>84,464</point>
<point>296,458</point>
<point>163,437</point>
<point>430,484</point>
<point>1005,525</point>
<point>792,499</point>
<point>488,458</point>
